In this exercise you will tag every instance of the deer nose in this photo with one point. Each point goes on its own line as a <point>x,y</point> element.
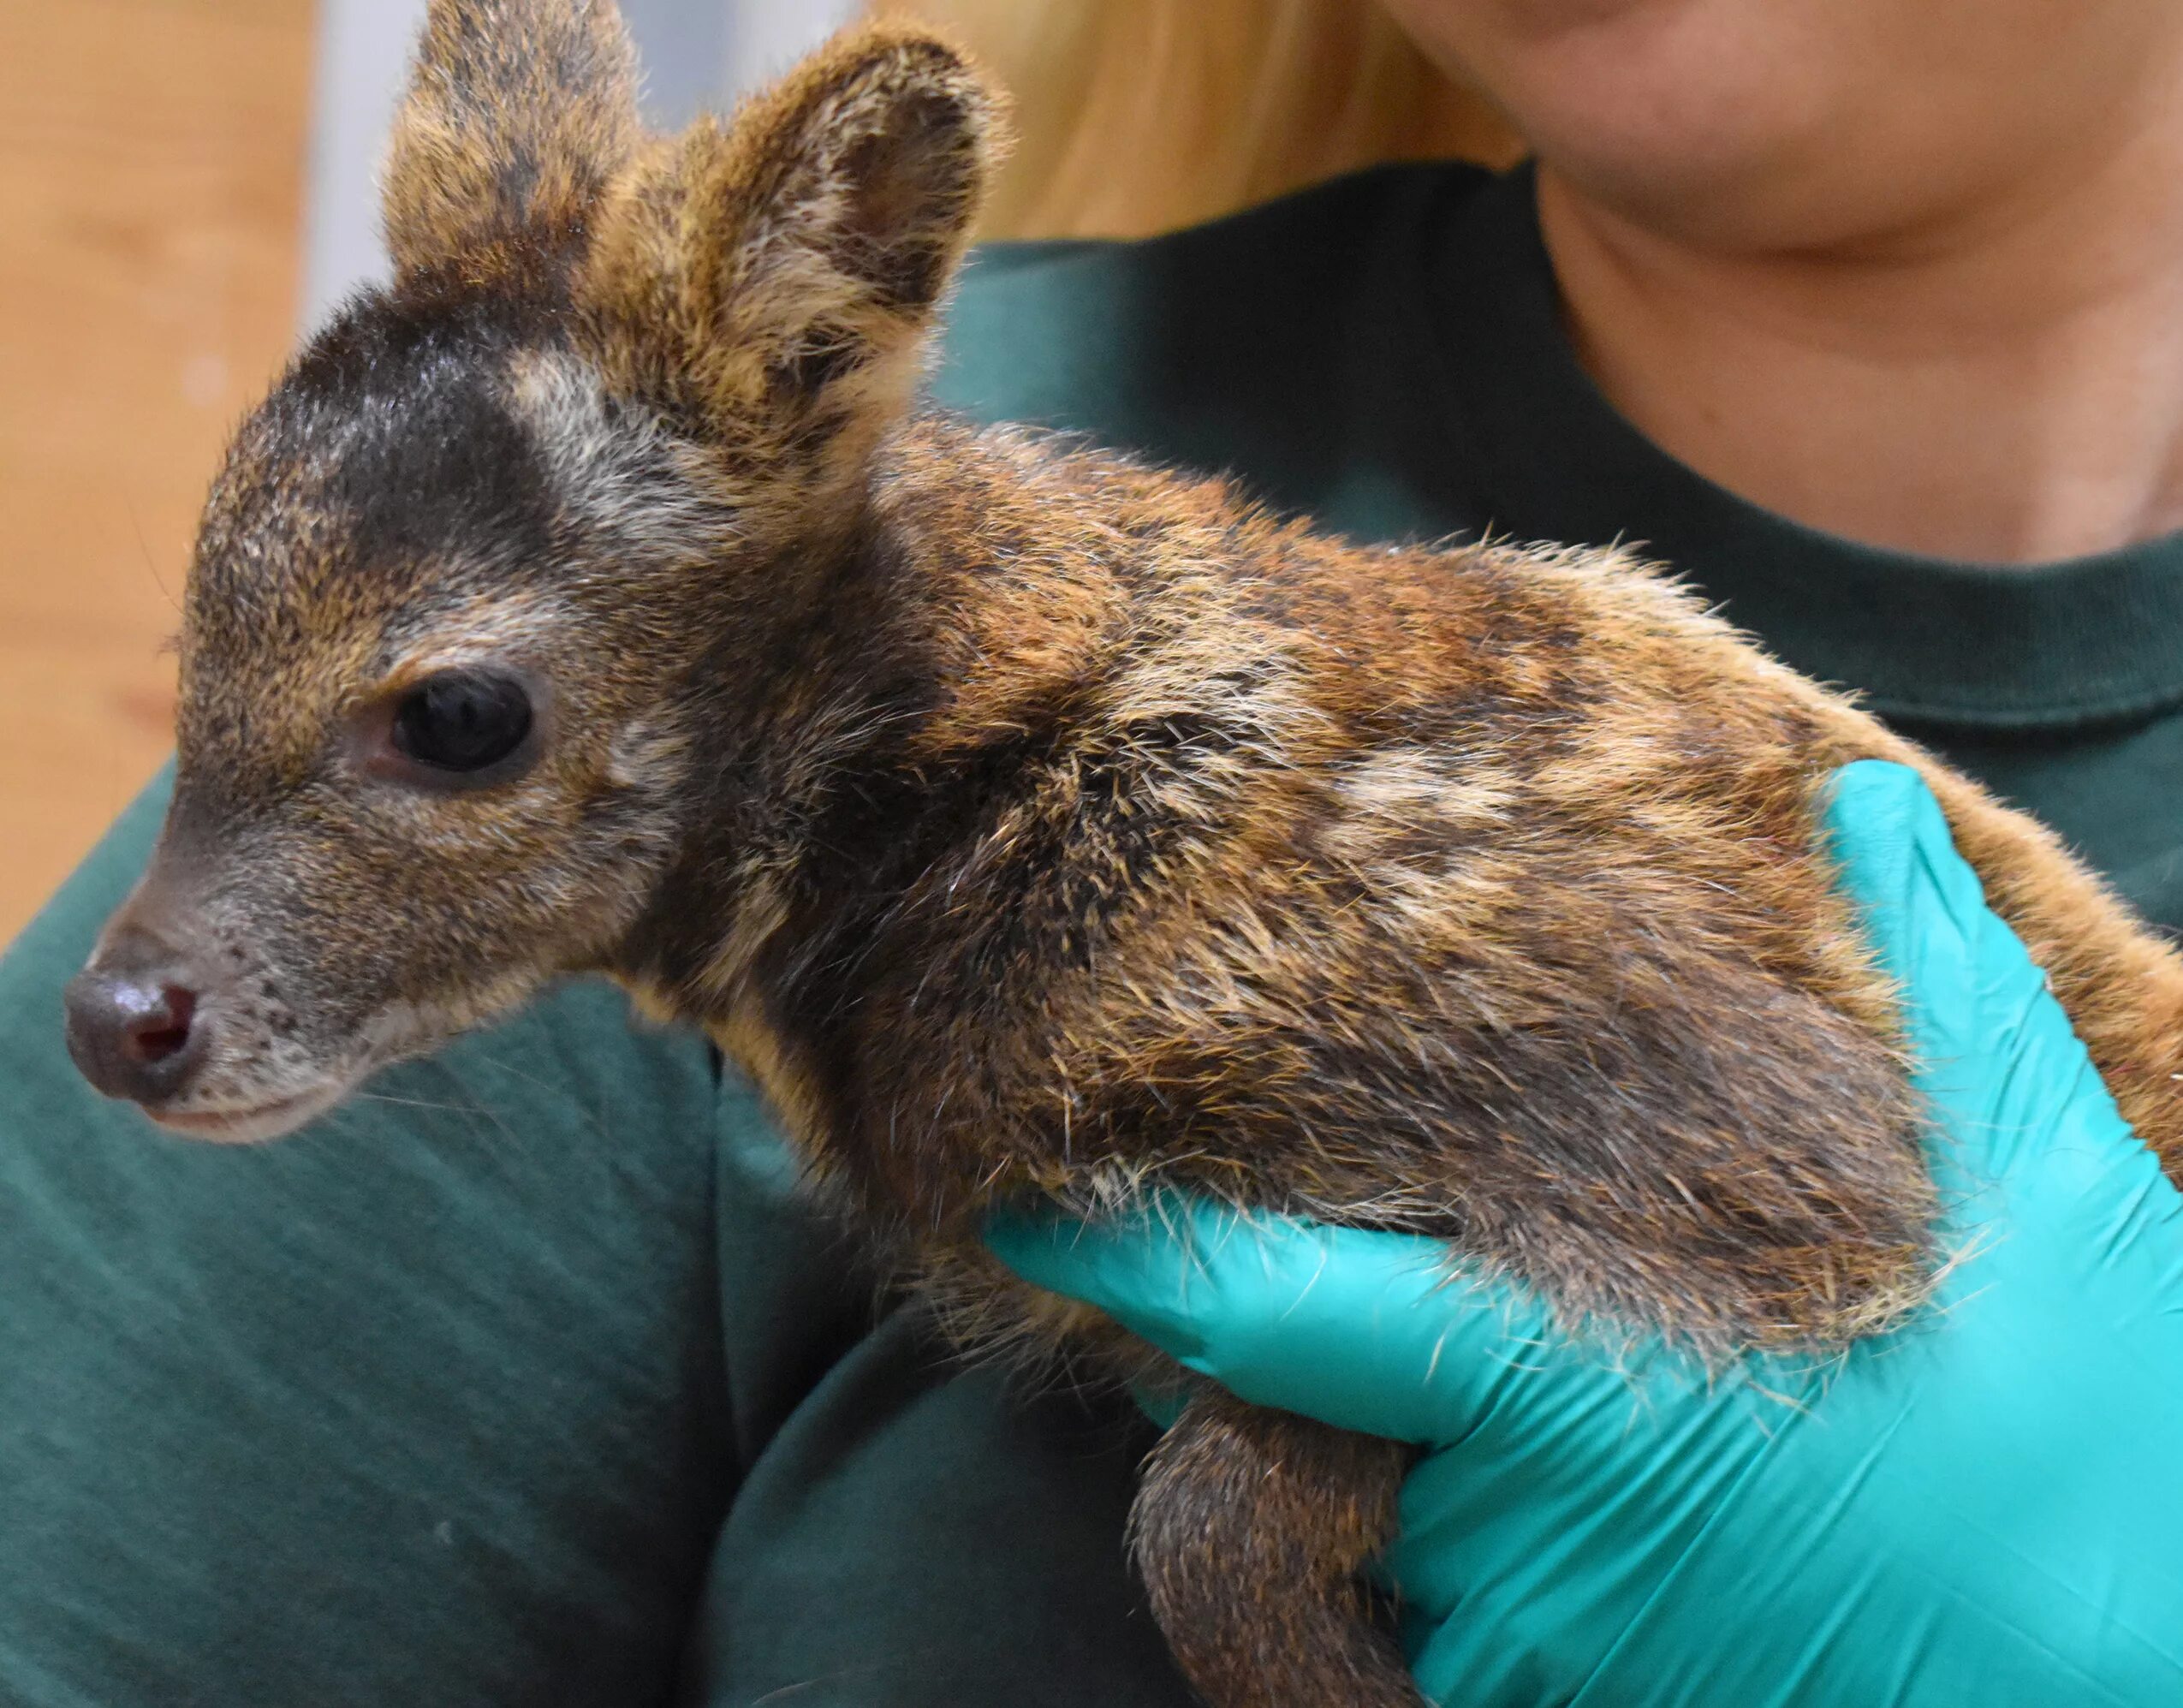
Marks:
<point>133,1022</point>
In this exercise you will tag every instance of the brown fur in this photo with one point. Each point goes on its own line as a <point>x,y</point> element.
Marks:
<point>1035,826</point>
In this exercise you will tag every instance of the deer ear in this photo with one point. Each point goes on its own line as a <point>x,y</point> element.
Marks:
<point>518,113</point>
<point>802,252</point>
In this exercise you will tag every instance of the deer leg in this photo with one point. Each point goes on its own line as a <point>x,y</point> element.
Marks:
<point>1252,1530</point>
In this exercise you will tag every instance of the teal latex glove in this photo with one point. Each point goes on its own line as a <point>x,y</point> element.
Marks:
<point>1985,1507</point>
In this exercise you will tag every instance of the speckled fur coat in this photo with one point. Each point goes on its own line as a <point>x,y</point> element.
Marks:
<point>1035,826</point>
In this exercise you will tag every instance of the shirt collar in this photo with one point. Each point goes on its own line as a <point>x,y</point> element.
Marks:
<point>1925,641</point>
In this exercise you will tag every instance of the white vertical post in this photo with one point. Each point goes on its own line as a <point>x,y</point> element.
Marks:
<point>684,45</point>
<point>363,61</point>
<point>766,37</point>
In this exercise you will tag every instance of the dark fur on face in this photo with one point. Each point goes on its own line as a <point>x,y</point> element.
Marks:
<point>1034,825</point>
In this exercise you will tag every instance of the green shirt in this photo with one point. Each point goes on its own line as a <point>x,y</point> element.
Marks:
<point>531,1380</point>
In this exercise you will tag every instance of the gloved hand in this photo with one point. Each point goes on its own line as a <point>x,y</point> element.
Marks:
<point>1984,1507</point>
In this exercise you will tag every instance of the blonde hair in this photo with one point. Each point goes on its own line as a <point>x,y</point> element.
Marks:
<point>1140,116</point>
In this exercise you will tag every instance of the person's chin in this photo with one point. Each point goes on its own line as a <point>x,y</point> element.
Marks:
<point>254,1124</point>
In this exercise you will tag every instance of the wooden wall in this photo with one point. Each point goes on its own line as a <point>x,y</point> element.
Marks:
<point>152,158</point>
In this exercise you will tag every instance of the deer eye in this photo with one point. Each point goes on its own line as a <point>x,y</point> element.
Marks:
<point>463,721</point>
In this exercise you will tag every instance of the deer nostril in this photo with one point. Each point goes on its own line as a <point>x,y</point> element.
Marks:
<point>161,1031</point>
<point>141,1035</point>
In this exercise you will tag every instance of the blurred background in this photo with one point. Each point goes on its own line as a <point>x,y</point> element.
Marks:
<point>184,185</point>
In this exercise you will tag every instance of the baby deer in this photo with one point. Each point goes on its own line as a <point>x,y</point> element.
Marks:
<point>1034,825</point>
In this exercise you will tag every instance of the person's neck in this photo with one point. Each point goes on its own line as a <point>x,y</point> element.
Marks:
<point>2006,389</point>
